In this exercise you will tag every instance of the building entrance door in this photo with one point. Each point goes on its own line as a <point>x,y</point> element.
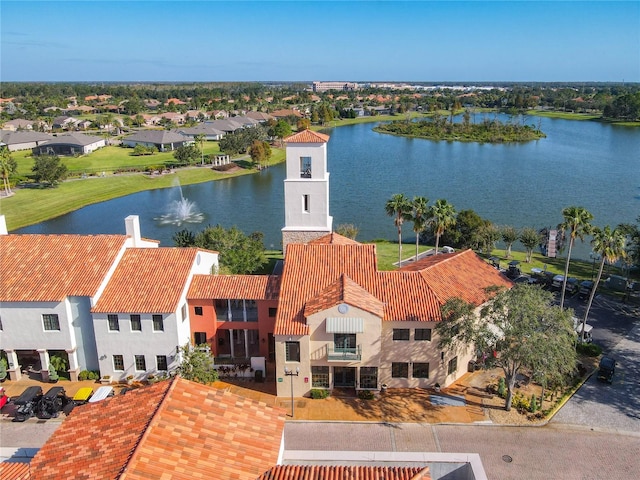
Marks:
<point>344,377</point>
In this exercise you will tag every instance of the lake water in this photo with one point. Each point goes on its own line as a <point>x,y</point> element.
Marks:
<point>582,163</point>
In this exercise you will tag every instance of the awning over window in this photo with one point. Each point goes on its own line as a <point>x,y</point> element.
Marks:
<point>345,325</point>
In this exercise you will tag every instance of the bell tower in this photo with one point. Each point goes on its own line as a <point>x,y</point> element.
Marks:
<point>306,189</point>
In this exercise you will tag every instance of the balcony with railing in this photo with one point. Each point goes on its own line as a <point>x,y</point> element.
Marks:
<point>344,354</point>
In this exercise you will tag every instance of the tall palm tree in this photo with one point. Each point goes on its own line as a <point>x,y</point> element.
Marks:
<point>8,166</point>
<point>610,245</point>
<point>399,207</point>
<point>419,211</point>
<point>442,215</point>
<point>578,221</point>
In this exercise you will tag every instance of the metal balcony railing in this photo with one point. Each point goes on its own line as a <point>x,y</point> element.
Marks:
<point>344,353</point>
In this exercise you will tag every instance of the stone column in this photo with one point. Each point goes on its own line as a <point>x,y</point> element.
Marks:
<point>13,368</point>
<point>74,368</point>
<point>231,343</point>
<point>246,343</point>
<point>44,364</point>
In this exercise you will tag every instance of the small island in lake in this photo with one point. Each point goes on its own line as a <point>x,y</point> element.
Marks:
<point>439,128</point>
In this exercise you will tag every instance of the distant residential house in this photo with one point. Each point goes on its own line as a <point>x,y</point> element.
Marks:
<point>210,133</point>
<point>18,124</point>
<point>227,125</point>
<point>152,103</point>
<point>23,140</point>
<point>177,118</point>
<point>84,124</point>
<point>175,101</point>
<point>218,114</point>
<point>64,122</point>
<point>284,113</point>
<point>245,121</point>
<point>70,144</point>
<point>163,140</point>
<point>196,115</point>
<point>82,109</point>
<point>259,116</point>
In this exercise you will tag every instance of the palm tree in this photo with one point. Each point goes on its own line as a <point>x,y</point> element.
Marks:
<point>442,215</point>
<point>610,245</point>
<point>578,221</point>
<point>399,207</point>
<point>418,216</point>
<point>200,139</point>
<point>8,166</point>
<point>509,236</point>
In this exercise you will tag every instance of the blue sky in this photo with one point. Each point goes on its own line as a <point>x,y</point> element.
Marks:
<point>319,40</point>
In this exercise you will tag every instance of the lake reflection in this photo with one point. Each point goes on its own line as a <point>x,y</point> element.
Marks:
<point>579,163</point>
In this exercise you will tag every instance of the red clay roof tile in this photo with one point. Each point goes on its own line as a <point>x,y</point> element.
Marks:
<point>149,280</point>
<point>334,239</point>
<point>337,472</point>
<point>41,268</point>
<point>14,471</point>
<point>174,429</point>
<point>307,136</point>
<point>249,287</point>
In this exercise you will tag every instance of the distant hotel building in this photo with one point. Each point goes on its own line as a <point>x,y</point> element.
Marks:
<point>325,86</point>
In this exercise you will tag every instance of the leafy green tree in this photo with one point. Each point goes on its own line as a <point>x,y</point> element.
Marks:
<point>3,369</point>
<point>260,152</point>
<point>464,233</point>
<point>633,240</point>
<point>8,167</point>
<point>578,221</point>
<point>486,238</point>
<point>184,238</point>
<point>238,253</point>
<point>303,124</point>
<point>509,235</point>
<point>187,154</point>
<point>197,365</point>
<point>139,120</point>
<point>521,325</point>
<point>281,130</point>
<point>530,239</point>
<point>49,169</point>
<point>610,245</point>
<point>418,215</point>
<point>442,215</point>
<point>399,207</point>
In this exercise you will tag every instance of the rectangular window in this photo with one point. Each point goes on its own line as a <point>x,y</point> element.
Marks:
<point>141,364</point>
<point>420,370</point>
<point>136,324</point>
<point>306,207</point>
<point>273,311</point>
<point>305,167</point>
<point>197,310</point>
<point>184,312</point>
<point>344,342</point>
<point>50,321</point>
<point>423,334</point>
<point>320,377</point>
<point>0,324</point>
<point>114,323</point>
<point>399,370</point>
<point>368,377</point>
<point>118,363</point>
<point>200,338</point>
<point>453,366</point>
<point>401,334</point>
<point>292,351</point>
<point>158,323</point>
<point>161,362</point>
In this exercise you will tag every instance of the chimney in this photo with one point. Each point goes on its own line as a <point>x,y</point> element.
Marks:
<point>3,226</point>
<point>132,227</point>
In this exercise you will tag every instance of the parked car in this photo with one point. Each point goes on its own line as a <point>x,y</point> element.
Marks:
<point>587,335</point>
<point>513,271</point>
<point>607,369</point>
<point>572,284</point>
<point>585,288</point>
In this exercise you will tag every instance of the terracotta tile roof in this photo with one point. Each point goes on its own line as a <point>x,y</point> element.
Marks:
<point>462,274</point>
<point>174,429</point>
<point>334,239</point>
<point>309,269</point>
<point>149,280</point>
<point>318,276</point>
<point>344,290</point>
<point>287,112</point>
<point>249,287</point>
<point>307,136</point>
<point>40,268</point>
<point>336,472</point>
<point>14,471</point>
